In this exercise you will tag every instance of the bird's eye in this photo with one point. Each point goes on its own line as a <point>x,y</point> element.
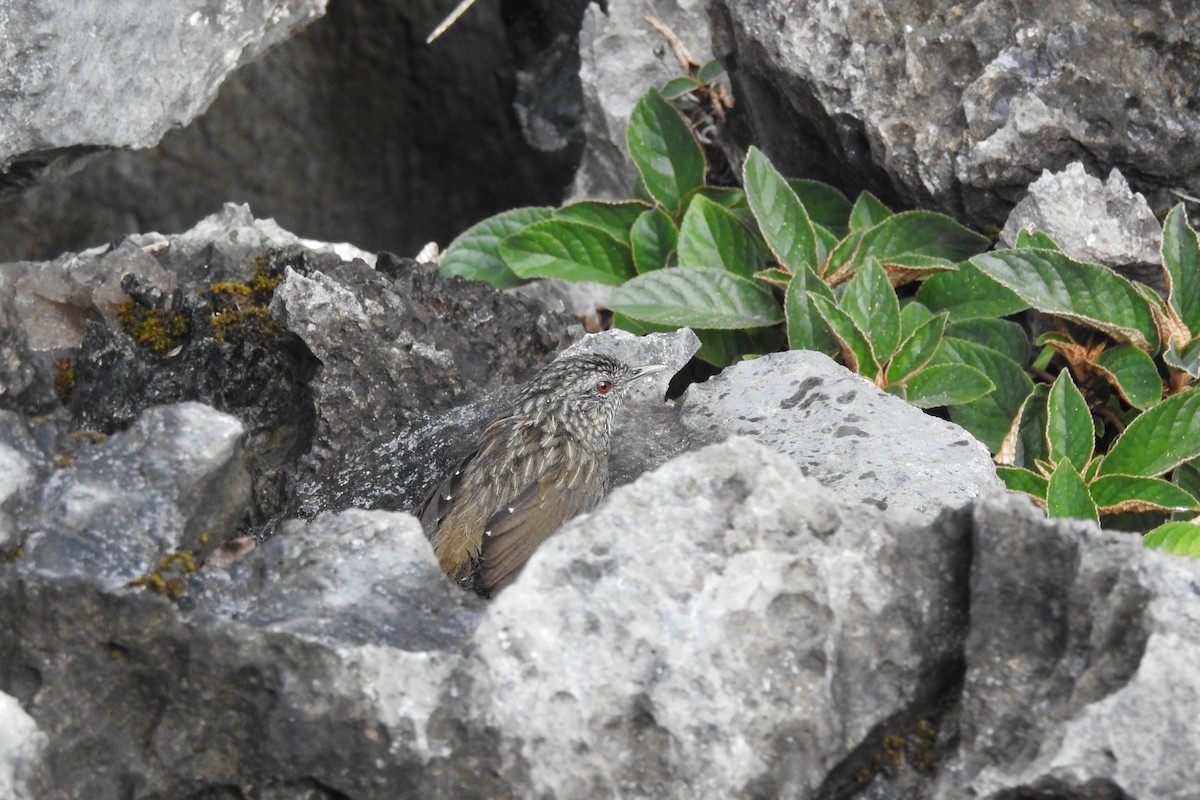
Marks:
<point>603,386</point>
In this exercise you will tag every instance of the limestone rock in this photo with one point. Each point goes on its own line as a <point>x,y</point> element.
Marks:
<point>1103,222</point>
<point>842,431</point>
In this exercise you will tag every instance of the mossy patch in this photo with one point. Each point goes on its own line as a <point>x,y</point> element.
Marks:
<point>153,328</point>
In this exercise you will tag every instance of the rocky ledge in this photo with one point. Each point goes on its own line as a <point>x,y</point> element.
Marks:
<point>803,587</point>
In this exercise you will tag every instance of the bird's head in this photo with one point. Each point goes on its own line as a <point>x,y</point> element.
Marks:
<point>580,393</point>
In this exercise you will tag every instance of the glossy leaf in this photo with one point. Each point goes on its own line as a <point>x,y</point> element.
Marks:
<point>570,251</point>
<point>1067,495</point>
<point>615,219</point>
<point>990,417</point>
<point>699,297</point>
<point>667,155</point>
<point>1024,481</point>
<point>1186,359</point>
<point>912,316</point>
<point>680,86</point>
<point>806,328</point>
<point>871,302</point>
<point>1181,259</point>
<point>867,212</point>
<point>653,238</point>
<point>947,385</point>
<point>925,233</point>
<point>855,348</point>
<point>1036,240</point>
<point>968,294</point>
<point>917,349</point>
<point>1161,438</point>
<point>1070,432</point>
<point>826,206</point>
<point>710,71</point>
<point>475,254</point>
<point>711,236</point>
<point>1132,373</point>
<point>1001,335</point>
<point>1180,538</point>
<point>1029,429</point>
<point>1088,294</point>
<point>782,218</point>
<point>1119,494</point>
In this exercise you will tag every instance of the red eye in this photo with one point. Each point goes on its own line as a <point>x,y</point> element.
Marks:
<point>603,386</point>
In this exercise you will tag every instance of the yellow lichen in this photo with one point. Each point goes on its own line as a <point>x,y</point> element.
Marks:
<point>153,328</point>
<point>176,565</point>
<point>64,378</point>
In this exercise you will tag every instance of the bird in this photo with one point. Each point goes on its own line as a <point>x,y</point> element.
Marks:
<point>535,467</point>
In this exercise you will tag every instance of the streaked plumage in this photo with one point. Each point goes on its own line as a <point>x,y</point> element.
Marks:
<point>535,468</point>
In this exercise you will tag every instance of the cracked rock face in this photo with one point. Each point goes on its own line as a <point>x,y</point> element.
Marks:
<point>801,586</point>
<point>69,66</point>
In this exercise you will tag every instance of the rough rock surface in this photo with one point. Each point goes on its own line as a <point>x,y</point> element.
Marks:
<point>69,66</point>
<point>621,56</point>
<point>962,107</point>
<point>841,430</point>
<point>313,353</point>
<point>352,130</point>
<point>20,751</point>
<point>1080,677</point>
<point>957,108</point>
<point>1103,222</point>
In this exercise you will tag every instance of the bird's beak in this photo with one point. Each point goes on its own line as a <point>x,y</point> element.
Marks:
<point>646,369</point>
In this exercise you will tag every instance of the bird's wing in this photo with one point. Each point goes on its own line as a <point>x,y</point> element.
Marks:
<point>514,532</point>
<point>440,500</point>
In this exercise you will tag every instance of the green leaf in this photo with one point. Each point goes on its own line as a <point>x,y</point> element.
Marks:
<point>1181,260</point>
<point>678,87</point>
<point>1035,240</point>
<point>1186,359</point>
<point>968,294</point>
<point>1067,495</point>
<point>711,236</point>
<point>1161,438</point>
<point>918,348</point>
<point>826,206</point>
<point>1030,422</point>
<point>1187,477</point>
<point>710,71</point>
<point>615,219</point>
<point>698,297</point>
<point>666,154</point>
<point>912,316</point>
<point>653,238</point>
<point>1024,481</point>
<point>871,302</point>
<point>927,238</point>
<point>782,218</point>
<point>806,328</point>
<point>1179,538</point>
<point>925,233</point>
<point>778,278</point>
<point>569,251</point>
<point>1088,294</point>
<point>475,254</point>
<point>867,212</point>
<point>1119,494</point>
<point>855,348</point>
<point>947,385</point>
<point>727,196</point>
<point>1070,432</point>
<point>1132,373</point>
<point>1001,335</point>
<point>989,418</point>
